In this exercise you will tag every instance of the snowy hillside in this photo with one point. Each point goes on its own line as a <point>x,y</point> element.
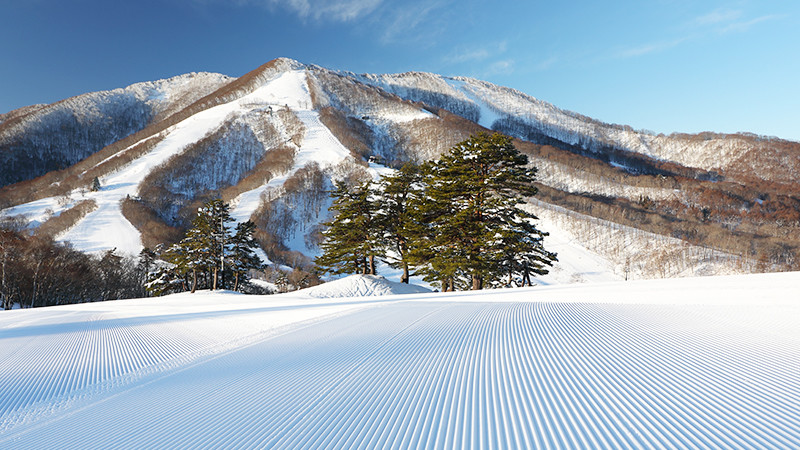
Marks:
<point>698,362</point>
<point>520,115</point>
<point>272,142</point>
<point>34,141</point>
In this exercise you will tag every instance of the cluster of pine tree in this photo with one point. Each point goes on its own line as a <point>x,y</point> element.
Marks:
<point>212,255</point>
<point>455,221</point>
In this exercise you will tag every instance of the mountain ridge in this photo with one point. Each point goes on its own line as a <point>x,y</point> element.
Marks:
<point>268,134</point>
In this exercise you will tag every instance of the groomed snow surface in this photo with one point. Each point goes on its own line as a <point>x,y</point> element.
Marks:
<point>705,362</point>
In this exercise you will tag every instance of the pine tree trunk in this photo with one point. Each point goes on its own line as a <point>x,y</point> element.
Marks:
<point>405,277</point>
<point>214,280</point>
<point>236,281</point>
<point>194,280</point>
<point>371,264</point>
<point>477,283</point>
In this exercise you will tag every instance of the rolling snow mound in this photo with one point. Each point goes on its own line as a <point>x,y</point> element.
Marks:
<point>362,286</point>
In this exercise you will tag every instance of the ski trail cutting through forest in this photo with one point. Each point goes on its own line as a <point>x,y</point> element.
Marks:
<point>318,145</point>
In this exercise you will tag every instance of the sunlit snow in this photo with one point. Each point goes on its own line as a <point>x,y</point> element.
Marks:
<point>696,362</point>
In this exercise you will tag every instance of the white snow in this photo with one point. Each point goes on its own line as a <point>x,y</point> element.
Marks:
<point>488,115</point>
<point>592,249</point>
<point>106,227</point>
<point>576,264</point>
<point>362,286</point>
<point>318,145</point>
<point>698,362</point>
<point>493,102</point>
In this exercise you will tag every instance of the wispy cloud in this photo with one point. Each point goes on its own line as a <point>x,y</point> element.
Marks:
<point>476,54</point>
<point>546,64</point>
<point>653,47</point>
<point>406,21</point>
<point>742,26</point>
<point>479,54</point>
<point>723,21</point>
<point>719,21</point>
<point>502,67</point>
<point>716,17</point>
<point>325,10</point>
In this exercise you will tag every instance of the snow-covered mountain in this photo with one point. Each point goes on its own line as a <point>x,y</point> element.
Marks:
<point>272,141</point>
<point>520,115</point>
<point>42,138</point>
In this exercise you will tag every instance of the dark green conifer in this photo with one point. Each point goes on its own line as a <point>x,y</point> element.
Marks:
<point>351,239</point>
<point>472,213</point>
<point>242,258</point>
<point>397,216</point>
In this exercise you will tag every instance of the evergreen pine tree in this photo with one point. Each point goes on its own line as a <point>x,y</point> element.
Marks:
<point>144,266</point>
<point>397,217</point>
<point>472,215</point>
<point>208,240</point>
<point>242,258</point>
<point>520,253</point>
<point>351,239</point>
<point>202,251</point>
<point>168,273</point>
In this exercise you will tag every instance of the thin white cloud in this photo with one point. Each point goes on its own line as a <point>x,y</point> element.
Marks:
<point>468,55</point>
<point>722,21</point>
<point>741,27</point>
<point>546,64</point>
<point>716,17</point>
<point>505,67</point>
<point>326,10</point>
<point>464,55</point>
<point>719,21</point>
<point>653,47</point>
<point>406,21</point>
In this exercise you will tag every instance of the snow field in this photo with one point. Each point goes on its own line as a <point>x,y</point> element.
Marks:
<point>318,146</point>
<point>705,362</point>
<point>88,352</point>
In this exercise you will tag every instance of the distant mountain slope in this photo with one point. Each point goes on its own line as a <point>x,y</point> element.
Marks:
<point>273,141</point>
<point>522,116</point>
<point>42,138</point>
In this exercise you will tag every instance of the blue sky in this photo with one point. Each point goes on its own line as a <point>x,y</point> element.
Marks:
<point>662,65</point>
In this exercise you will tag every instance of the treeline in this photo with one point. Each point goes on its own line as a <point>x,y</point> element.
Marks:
<point>455,221</point>
<point>699,225</point>
<point>37,271</point>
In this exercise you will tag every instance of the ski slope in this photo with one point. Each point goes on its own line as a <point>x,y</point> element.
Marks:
<point>698,362</point>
